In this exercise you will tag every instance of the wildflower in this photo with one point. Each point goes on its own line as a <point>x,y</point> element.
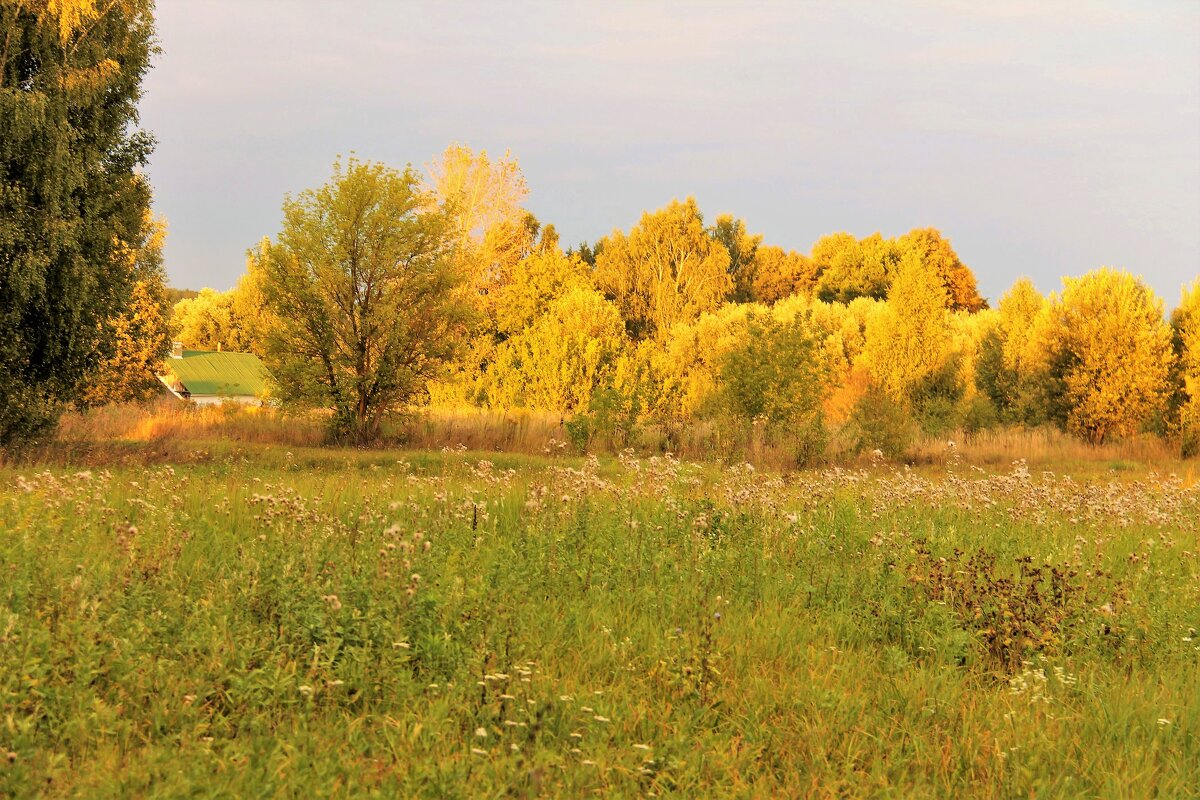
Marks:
<point>306,691</point>
<point>599,718</point>
<point>481,733</point>
<point>479,752</point>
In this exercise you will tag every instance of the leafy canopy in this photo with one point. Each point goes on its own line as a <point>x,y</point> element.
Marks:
<point>668,269</point>
<point>72,199</point>
<point>360,284</point>
<point>1110,350</point>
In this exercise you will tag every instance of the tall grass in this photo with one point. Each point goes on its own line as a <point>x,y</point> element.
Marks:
<point>275,622</point>
<point>168,429</point>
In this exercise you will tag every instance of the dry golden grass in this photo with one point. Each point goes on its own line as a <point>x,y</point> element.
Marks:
<point>166,430</point>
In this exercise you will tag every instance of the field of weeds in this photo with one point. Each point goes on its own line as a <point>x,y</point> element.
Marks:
<point>326,623</point>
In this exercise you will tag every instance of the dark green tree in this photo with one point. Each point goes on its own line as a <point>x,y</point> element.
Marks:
<point>72,199</point>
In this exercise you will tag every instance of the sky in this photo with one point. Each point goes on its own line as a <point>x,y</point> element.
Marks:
<point>1043,138</point>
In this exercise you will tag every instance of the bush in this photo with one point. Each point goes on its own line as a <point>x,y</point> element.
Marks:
<point>1011,614</point>
<point>880,423</point>
<point>776,379</point>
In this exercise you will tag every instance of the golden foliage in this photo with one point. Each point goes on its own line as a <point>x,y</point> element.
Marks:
<point>936,254</point>
<point>667,270</point>
<point>141,334</point>
<point>910,338</point>
<point>779,274</point>
<point>566,353</point>
<point>537,280</point>
<point>482,199</point>
<point>236,320</point>
<point>1108,339</point>
<point>1185,326</point>
<point>479,192</point>
<point>687,363</point>
<point>141,339</point>
<point>1018,310</point>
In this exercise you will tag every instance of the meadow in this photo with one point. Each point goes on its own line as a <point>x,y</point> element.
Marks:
<point>253,619</point>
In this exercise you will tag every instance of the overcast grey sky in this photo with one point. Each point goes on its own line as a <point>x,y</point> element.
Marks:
<point>1044,139</point>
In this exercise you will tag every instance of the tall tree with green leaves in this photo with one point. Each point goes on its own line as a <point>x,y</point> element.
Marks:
<point>72,198</point>
<point>776,374</point>
<point>360,284</point>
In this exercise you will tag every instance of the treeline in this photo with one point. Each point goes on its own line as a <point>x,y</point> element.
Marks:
<point>386,288</point>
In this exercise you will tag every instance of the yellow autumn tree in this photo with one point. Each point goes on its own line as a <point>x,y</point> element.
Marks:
<point>847,268</point>
<point>141,334</point>
<point>779,274</point>
<point>1109,351</point>
<point>536,282</point>
<point>209,321</point>
<point>1185,329</point>
<point>1012,353</point>
<point>483,199</point>
<point>688,363</point>
<point>68,16</point>
<point>909,340</point>
<point>935,252</point>
<point>557,363</point>
<point>668,269</point>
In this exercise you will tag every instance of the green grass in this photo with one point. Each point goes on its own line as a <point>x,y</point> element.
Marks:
<point>248,625</point>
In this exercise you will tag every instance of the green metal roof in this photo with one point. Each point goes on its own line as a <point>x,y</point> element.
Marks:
<point>226,374</point>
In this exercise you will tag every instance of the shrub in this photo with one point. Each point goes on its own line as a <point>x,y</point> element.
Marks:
<point>1012,615</point>
<point>880,423</point>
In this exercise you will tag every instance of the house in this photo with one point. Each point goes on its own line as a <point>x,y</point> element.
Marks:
<point>211,378</point>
